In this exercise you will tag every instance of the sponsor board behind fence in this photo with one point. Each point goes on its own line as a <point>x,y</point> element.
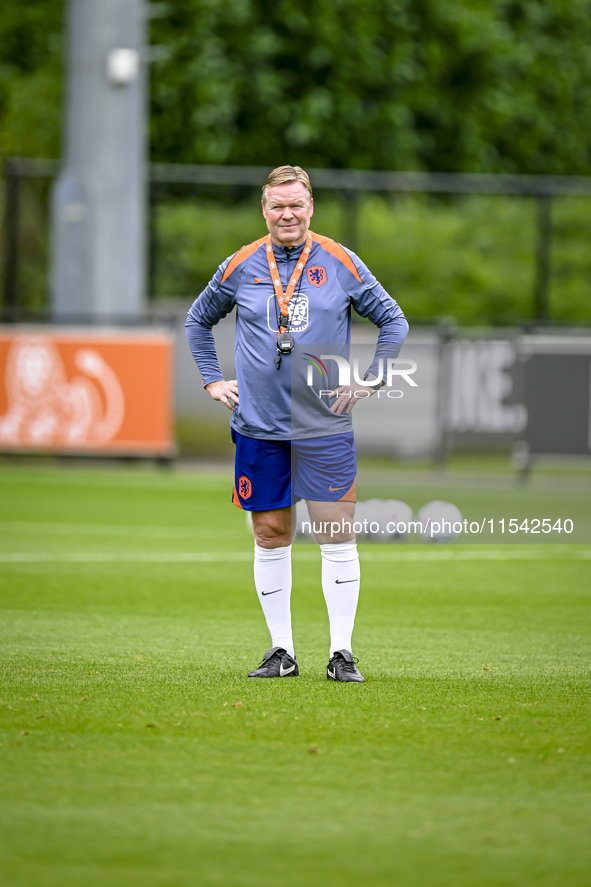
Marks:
<point>102,391</point>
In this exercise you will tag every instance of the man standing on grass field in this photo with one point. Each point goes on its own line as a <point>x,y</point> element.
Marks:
<point>294,289</point>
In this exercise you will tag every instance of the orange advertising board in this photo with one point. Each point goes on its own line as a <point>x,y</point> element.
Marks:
<point>86,390</point>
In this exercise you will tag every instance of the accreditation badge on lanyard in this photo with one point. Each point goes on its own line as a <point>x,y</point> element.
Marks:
<point>284,298</point>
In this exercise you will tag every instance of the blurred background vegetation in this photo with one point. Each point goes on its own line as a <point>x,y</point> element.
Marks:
<point>440,85</point>
<point>471,257</point>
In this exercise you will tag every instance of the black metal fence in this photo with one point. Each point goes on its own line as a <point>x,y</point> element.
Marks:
<point>349,183</point>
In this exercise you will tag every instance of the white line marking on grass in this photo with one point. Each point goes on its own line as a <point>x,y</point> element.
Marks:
<point>33,557</point>
<point>94,529</point>
<point>557,552</point>
<point>492,555</point>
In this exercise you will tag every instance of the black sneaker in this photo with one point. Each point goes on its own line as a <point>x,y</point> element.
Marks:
<point>277,663</point>
<point>342,668</point>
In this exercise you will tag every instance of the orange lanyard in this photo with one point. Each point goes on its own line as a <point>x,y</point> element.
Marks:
<point>282,298</point>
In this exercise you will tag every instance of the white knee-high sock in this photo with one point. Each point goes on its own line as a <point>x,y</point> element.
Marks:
<point>340,584</point>
<point>272,579</point>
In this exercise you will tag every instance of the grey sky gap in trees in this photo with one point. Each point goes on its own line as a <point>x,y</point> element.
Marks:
<point>98,204</point>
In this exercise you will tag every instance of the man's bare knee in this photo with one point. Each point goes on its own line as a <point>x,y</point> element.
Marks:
<point>270,537</point>
<point>332,521</point>
<point>273,529</point>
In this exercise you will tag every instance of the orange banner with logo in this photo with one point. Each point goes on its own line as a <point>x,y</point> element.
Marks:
<point>99,391</point>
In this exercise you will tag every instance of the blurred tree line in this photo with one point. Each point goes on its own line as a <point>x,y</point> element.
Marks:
<point>455,85</point>
<point>442,85</point>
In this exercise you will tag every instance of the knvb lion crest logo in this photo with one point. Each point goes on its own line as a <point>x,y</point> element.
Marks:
<point>244,487</point>
<point>297,310</point>
<point>317,275</point>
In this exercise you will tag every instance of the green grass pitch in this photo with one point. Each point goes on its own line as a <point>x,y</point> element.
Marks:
<point>134,751</point>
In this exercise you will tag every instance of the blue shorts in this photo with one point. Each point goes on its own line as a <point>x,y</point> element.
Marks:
<point>271,474</point>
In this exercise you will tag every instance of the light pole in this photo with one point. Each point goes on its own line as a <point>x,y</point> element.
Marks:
<point>99,200</point>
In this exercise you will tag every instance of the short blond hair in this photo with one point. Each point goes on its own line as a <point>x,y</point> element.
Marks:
<point>284,174</point>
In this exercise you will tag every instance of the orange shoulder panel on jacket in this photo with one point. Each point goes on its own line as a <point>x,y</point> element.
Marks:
<point>336,250</point>
<point>242,255</point>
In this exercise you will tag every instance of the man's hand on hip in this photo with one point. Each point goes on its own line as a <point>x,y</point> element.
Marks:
<point>347,396</point>
<point>227,392</point>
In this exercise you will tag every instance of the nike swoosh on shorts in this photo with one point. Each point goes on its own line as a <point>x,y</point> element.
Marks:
<point>334,489</point>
